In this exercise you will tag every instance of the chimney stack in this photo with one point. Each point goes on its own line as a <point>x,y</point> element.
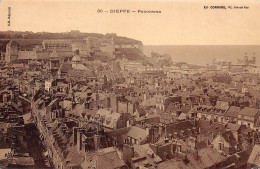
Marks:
<point>128,153</point>
<point>254,60</point>
<point>79,140</point>
<point>96,141</point>
<point>253,138</point>
<point>197,155</point>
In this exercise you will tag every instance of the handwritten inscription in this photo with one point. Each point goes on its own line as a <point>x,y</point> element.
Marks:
<point>9,17</point>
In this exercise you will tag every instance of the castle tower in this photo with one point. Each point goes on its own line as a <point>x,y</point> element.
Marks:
<point>54,62</point>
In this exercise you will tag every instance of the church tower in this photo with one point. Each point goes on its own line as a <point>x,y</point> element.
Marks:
<point>12,49</point>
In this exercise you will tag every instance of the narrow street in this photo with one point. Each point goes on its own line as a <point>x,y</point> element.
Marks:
<point>36,149</point>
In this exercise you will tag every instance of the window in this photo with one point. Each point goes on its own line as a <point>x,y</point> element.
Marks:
<point>178,149</point>
<point>220,146</point>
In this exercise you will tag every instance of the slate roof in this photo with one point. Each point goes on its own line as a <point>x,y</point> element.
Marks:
<point>149,102</point>
<point>233,111</point>
<point>203,124</point>
<point>207,126</point>
<point>229,138</point>
<point>80,67</point>
<point>152,119</point>
<point>74,158</point>
<point>172,108</point>
<point>247,111</point>
<point>166,118</point>
<point>207,158</point>
<point>185,109</point>
<point>66,67</point>
<point>78,110</point>
<point>202,144</point>
<point>243,157</point>
<point>80,74</point>
<point>43,55</point>
<point>25,161</point>
<point>145,151</point>
<point>76,58</point>
<point>233,127</point>
<point>108,158</point>
<point>182,116</point>
<point>222,105</point>
<point>137,133</point>
<point>26,55</point>
<point>54,54</point>
<point>132,131</point>
<point>110,119</point>
<point>178,127</point>
<point>254,157</point>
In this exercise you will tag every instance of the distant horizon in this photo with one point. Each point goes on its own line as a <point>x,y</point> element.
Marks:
<point>204,54</point>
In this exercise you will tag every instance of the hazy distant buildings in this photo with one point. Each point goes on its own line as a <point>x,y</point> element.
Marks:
<point>247,61</point>
<point>101,46</point>
<point>59,44</point>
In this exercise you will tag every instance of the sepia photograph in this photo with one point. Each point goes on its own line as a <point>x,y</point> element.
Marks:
<point>133,84</point>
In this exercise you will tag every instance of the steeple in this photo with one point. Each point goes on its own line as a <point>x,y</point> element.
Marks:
<point>54,54</point>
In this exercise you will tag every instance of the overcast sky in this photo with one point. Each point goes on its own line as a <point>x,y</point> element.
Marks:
<point>180,23</point>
